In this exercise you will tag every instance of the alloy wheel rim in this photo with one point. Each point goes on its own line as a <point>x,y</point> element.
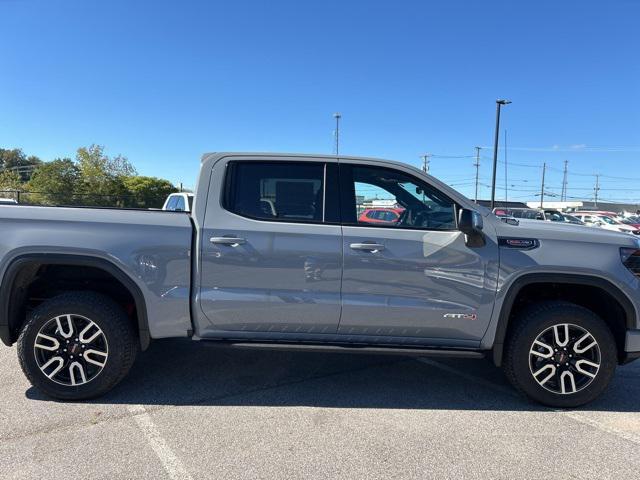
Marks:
<point>564,359</point>
<point>71,350</point>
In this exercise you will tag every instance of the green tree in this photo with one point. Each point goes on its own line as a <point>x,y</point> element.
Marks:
<point>53,183</point>
<point>102,177</point>
<point>147,192</point>
<point>15,160</point>
<point>10,183</point>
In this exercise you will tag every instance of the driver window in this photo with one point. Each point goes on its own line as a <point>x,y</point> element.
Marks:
<point>401,200</point>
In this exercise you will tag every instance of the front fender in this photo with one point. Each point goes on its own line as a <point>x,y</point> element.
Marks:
<point>507,294</point>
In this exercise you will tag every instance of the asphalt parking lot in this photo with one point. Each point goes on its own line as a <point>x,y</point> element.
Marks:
<point>192,411</point>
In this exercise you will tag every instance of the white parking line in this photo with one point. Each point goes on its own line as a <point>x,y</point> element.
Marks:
<point>170,462</point>
<point>576,416</point>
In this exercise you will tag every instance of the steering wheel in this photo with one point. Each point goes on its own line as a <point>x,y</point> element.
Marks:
<point>423,218</point>
<point>414,216</point>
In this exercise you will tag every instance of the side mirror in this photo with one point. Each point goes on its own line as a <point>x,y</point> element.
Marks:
<point>470,222</point>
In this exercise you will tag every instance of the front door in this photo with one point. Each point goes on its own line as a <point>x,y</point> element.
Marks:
<point>413,276</point>
<point>271,249</point>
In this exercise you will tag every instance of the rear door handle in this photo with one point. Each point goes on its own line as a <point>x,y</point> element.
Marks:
<point>369,247</point>
<point>233,241</point>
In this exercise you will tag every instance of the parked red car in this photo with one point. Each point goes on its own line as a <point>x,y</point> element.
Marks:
<point>381,215</point>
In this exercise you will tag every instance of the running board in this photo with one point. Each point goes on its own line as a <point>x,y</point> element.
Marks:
<point>333,348</point>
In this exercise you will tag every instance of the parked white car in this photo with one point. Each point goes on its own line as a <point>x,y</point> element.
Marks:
<point>604,221</point>
<point>179,202</point>
<point>8,201</point>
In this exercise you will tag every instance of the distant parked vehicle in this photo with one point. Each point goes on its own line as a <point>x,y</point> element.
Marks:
<point>381,215</point>
<point>571,219</point>
<point>537,214</point>
<point>557,216</point>
<point>608,213</point>
<point>606,222</point>
<point>8,201</point>
<point>526,213</point>
<point>179,202</point>
<point>634,221</point>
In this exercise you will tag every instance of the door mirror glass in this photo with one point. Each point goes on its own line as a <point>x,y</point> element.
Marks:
<point>470,222</point>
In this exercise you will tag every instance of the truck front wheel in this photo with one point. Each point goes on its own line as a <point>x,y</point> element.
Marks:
<point>77,345</point>
<point>560,354</point>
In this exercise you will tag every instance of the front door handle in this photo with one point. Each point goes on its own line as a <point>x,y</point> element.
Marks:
<point>369,247</point>
<point>233,241</point>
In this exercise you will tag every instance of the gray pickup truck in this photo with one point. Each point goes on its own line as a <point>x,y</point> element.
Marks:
<point>278,253</point>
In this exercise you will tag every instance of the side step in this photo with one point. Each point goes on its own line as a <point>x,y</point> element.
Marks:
<point>337,348</point>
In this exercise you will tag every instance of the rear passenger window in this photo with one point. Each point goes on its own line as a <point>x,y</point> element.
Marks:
<point>171,204</point>
<point>179,206</point>
<point>276,191</point>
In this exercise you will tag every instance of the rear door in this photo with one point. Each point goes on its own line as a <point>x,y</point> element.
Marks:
<point>416,277</point>
<point>271,249</point>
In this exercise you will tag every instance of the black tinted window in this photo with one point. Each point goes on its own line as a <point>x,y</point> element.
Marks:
<point>276,191</point>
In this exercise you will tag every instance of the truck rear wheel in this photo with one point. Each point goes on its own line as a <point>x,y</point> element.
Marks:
<point>77,345</point>
<point>560,354</point>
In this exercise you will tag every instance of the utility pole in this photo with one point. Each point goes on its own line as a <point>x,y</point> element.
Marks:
<point>563,195</point>
<point>544,169</point>
<point>499,104</point>
<point>506,186</point>
<point>337,116</point>
<point>477,165</point>
<point>597,189</point>
<point>425,162</point>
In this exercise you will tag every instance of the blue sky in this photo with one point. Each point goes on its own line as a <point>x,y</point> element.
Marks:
<point>162,82</point>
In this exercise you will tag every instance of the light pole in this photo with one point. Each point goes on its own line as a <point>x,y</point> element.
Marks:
<point>499,104</point>
<point>337,116</point>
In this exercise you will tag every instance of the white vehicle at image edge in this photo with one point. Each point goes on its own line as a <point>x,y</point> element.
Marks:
<point>8,201</point>
<point>274,254</point>
<point>606,222</point>
<point>179,202</point>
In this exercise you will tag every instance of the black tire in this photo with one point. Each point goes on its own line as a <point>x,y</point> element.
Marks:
<point>117,331</point>
<point>520,364</point>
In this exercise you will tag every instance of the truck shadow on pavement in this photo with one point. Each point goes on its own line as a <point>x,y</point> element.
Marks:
<point>181,372</point>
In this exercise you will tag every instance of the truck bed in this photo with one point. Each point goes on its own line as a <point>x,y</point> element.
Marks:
<point>151,247</point>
